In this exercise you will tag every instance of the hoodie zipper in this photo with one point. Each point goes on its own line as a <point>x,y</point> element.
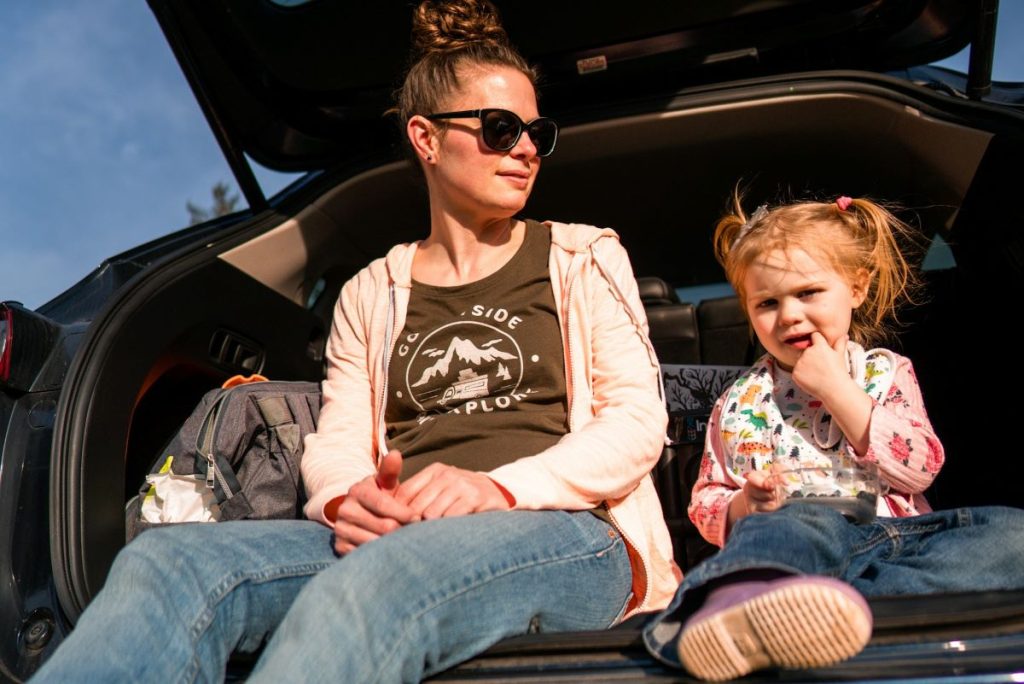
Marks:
<point>385,358</point>
<point>570,355</point>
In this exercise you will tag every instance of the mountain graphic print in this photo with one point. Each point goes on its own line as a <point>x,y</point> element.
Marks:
<point>465,351</point>
<point>462,361</point>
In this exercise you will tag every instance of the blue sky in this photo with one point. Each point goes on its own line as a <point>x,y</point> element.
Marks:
<point>102,144</point>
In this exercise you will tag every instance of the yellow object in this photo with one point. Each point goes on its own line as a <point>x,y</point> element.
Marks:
<point>165,468</point>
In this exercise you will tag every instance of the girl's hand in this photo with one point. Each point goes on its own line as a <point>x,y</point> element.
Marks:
<point>443,491</point>
<point>370,508</point>
<point>822,369</point>
<point>823,372</point>
<point>760,494</point>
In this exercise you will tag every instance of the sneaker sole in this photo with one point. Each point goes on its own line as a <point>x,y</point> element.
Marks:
<point>799,626</point>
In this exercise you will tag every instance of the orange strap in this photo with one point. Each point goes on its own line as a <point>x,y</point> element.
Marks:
<point>236,380</point>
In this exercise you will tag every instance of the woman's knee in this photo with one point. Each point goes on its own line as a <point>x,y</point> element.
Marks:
<point>156,548</point>
<point>196,553</point>
<point>161,560</point>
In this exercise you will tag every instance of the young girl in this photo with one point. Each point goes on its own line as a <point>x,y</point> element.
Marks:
<point>819,281</point>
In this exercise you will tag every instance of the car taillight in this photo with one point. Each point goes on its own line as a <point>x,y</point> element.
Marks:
<point>26,341</point>
<point>6,339</point>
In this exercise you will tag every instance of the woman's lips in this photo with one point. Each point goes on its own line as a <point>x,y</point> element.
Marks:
<point>518,178</point>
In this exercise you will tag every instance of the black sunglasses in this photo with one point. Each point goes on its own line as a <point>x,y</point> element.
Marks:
<point>501,129</point>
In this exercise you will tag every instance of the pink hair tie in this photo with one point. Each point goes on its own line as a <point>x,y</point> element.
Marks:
<point>844,203</point>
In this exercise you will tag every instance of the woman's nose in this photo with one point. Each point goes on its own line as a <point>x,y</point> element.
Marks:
<point>524,147</point>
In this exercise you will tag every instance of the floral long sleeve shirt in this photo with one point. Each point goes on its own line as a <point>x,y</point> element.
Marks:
<point>742,436</point>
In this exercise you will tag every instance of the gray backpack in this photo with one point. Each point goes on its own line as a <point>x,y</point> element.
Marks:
<point>243,444</point>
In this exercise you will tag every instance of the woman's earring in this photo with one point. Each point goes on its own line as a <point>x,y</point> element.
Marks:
<point>430,157</point>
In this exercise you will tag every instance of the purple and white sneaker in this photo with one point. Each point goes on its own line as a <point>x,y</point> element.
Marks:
<point>794,622</point>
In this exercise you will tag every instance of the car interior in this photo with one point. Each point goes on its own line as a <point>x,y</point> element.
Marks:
<point>261,300</point>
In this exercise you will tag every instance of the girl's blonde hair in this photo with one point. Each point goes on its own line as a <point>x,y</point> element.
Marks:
<point>848,234</point>
<point>449,36</point>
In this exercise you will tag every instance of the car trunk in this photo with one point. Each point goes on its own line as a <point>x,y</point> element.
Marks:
<point>659,170</point>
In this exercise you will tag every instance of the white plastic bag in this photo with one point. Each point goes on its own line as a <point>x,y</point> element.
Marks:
<point>176,498</point>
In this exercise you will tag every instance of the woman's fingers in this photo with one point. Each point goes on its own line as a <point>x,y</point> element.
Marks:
<point>351,512</point>
<point>381,503</point>
<point>431,491</point>
<point>347,537</point>
<point>390,470</point>
<point>446,499</point>
<point>369,512</point>
<point>411,488</point>
<point>441,491</point>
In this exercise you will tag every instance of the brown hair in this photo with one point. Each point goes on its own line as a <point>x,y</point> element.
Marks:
<point>864,235</point>
<point>447,37</point>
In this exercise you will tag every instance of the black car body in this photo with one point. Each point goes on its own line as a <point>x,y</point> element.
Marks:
<point>664,106</point>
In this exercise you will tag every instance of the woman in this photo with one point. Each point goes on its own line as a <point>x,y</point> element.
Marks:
<point>491,413</point>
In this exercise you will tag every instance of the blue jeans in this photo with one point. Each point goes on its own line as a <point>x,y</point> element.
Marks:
<point>178,601</point>
<point>967,549</point>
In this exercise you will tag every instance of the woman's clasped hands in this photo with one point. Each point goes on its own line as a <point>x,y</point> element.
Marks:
<point>380,503</point>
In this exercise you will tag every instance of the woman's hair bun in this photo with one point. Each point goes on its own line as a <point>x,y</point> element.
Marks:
<point>448,25</point>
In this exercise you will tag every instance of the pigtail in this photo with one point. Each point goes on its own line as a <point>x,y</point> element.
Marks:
<point>727,230</point>
<point>893,282</point>
<point>738,238</point>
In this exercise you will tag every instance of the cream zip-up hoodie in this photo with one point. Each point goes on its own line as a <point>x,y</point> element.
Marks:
<point>617,416</point>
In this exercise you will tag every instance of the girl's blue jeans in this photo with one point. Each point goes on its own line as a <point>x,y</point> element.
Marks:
<point>966,549</point>
<point>179,600</point>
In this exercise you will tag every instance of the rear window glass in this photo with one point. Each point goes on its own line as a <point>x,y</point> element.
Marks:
<point>695,294</point>
<point>1008,59</point>
<point>939,256</point>
<point>102,142</point>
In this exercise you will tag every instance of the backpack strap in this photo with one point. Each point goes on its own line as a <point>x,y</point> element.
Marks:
<point>274,410</point>
<point>281,422</point>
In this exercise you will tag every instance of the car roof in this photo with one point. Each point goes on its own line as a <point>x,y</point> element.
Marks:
<point>299,86</point>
